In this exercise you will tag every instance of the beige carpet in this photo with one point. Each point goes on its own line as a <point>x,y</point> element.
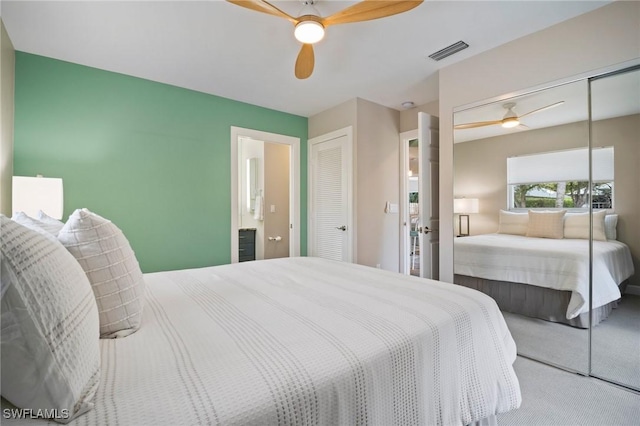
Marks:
<point>551,396</point>
<point>616,343</point>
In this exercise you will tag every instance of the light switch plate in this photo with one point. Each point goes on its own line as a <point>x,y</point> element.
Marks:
<point>273,208</point>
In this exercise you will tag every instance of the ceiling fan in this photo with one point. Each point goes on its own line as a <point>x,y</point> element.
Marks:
<point>310,26</point>
<point>510,119</point>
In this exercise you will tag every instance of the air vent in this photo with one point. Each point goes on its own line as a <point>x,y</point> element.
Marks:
<point>449,50</point>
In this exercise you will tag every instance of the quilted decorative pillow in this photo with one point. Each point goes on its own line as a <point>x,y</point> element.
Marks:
<point>576,225</point>
<point>50,341</point>
<point>547,224</point>
<point>513,223</point>
<point>36,224</point>
<point>610,224</point>
<point>112,268</point>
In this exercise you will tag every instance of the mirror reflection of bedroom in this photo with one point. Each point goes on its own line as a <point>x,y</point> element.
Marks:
<point>554,241</point>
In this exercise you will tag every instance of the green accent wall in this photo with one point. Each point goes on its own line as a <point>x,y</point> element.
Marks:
<point>153,158</point>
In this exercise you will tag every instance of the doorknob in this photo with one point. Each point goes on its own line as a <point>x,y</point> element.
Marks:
<point>342,228</point>
<point>426,230</point>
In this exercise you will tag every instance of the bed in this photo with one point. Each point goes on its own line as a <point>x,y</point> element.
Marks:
<point>544,278</point>
<point>306,341</point>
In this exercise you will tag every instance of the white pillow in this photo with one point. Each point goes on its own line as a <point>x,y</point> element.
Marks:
<point>50,342</point>
<point>546,224</point>
<point>49,221</point>
<point>513,223</point>
<point>576,225</point>
<point>37,225</point>
<point>610,223</point>
<point>112,268</point>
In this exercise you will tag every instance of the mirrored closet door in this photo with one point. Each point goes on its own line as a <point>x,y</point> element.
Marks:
<point>615,126</point>
<point>553,235</point>
<point>525,161</point>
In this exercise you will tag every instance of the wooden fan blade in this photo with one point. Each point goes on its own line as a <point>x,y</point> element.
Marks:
<point>542,109</point>
<point>264,7</point>
<point>476,124</point>
<point>370,9</point>
<point>305,62</point>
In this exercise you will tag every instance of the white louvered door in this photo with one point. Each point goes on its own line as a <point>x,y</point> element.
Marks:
<point>329,192</point>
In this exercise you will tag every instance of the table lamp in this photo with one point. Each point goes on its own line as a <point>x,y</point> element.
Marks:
<point>31,194</point>
<point>464,206</point>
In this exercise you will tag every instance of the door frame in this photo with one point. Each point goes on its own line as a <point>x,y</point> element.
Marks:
<point>294,185</point>
<point>351,191</point>
<point>405,258</point>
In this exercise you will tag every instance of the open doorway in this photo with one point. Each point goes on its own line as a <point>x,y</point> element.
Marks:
<point>265,201</point>
<point>413,207</point>
<point>410,203</point>
<point>263,210</point>
<point>419,208</point>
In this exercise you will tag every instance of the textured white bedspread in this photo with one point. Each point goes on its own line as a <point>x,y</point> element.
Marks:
<point>561,264</point>
<point>307,341</point>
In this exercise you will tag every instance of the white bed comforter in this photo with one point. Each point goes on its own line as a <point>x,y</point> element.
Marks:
<point>307,341</point>
<point>561,264</point>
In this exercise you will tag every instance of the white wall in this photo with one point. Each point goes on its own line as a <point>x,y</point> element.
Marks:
<point>276,194</point>
<point>378,182</point>
<point>409,117</point>
<point>7,78</point>
<point>377,173</point>
<point>338,117</point>
<point>582,45</point>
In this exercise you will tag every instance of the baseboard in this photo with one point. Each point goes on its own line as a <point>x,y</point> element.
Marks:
<point>633,289</point>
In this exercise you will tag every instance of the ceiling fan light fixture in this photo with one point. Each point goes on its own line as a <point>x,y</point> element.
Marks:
<point>310,25</point>
<point>309,32</point>
<point>510,122</point>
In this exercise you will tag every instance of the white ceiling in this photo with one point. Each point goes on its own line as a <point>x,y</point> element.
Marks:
<point>219,48</point>
<point>615,96</point>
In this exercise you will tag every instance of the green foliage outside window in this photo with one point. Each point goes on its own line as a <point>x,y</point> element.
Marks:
<point>567,195</point>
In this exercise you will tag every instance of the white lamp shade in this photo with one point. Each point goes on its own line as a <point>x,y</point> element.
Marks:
<point>31,194</point>
<point>465,205</point>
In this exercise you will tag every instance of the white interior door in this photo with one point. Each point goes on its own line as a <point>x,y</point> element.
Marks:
<point>409,186</point>
<point>330,230</point>
<point>429,182</point>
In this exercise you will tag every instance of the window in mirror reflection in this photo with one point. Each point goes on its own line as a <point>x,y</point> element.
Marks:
<point>560,179</point>
<point>568,195</point>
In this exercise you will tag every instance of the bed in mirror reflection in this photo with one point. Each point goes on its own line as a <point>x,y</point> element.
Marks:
<point>545,186</point>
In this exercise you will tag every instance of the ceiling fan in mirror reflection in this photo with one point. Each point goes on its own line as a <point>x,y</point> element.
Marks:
<point>510,119</point>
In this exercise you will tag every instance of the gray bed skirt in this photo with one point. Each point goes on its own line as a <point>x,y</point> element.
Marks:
<point>537,302</point>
